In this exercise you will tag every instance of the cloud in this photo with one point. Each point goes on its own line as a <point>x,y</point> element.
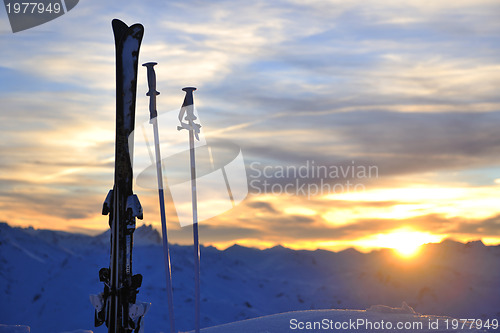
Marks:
<point>410,88</point>
<point>391,141</point>
<point>262,205</point>
<point>478,229</point>
<point>456,216</point>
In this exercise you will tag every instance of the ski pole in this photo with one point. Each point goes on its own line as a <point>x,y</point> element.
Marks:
<point>194,129</point>
<point>152,93</point>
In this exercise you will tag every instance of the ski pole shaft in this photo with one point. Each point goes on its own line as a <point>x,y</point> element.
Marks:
<point>195,233</point>
<point>166,253</point>
<point>187,114</point>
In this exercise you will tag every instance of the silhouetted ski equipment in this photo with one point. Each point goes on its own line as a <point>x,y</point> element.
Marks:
<point>153,120</point>
<point>187,114</point>
<point>116,306</point>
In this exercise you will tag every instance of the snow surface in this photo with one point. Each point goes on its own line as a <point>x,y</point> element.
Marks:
<point>46,278</point>
<point>353,321</point>
<point>14,329</point>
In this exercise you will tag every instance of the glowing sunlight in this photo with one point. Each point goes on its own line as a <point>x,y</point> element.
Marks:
<point>405,242</point>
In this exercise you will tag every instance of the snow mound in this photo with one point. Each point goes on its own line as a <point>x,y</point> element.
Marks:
<point>341,321</point>
<point>14,329</point>
<point>405,308</point>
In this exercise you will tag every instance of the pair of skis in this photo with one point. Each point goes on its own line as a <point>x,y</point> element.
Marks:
<point>186,118</point>
<point>117,306</point>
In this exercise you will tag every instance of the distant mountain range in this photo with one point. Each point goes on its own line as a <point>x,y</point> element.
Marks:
<point>46,277</point>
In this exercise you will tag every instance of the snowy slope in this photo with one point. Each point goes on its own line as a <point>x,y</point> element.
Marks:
<point>46,277</point>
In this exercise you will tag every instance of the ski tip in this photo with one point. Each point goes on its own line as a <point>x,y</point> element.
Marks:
<point>137,31</point>
<point>118,23</point>
<point>121,26</point>
<point>120,29</point>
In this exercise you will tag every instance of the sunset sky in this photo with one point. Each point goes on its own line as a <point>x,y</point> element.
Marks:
<point>410,89</point>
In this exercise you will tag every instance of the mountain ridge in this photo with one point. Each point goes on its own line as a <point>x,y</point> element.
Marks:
<point>146,234</point>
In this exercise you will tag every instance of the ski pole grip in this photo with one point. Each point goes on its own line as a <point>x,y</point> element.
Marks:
<point>152,93</point>
<point>188,99</point>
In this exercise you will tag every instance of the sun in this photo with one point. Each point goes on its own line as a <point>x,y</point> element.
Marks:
<point>405,242</point>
